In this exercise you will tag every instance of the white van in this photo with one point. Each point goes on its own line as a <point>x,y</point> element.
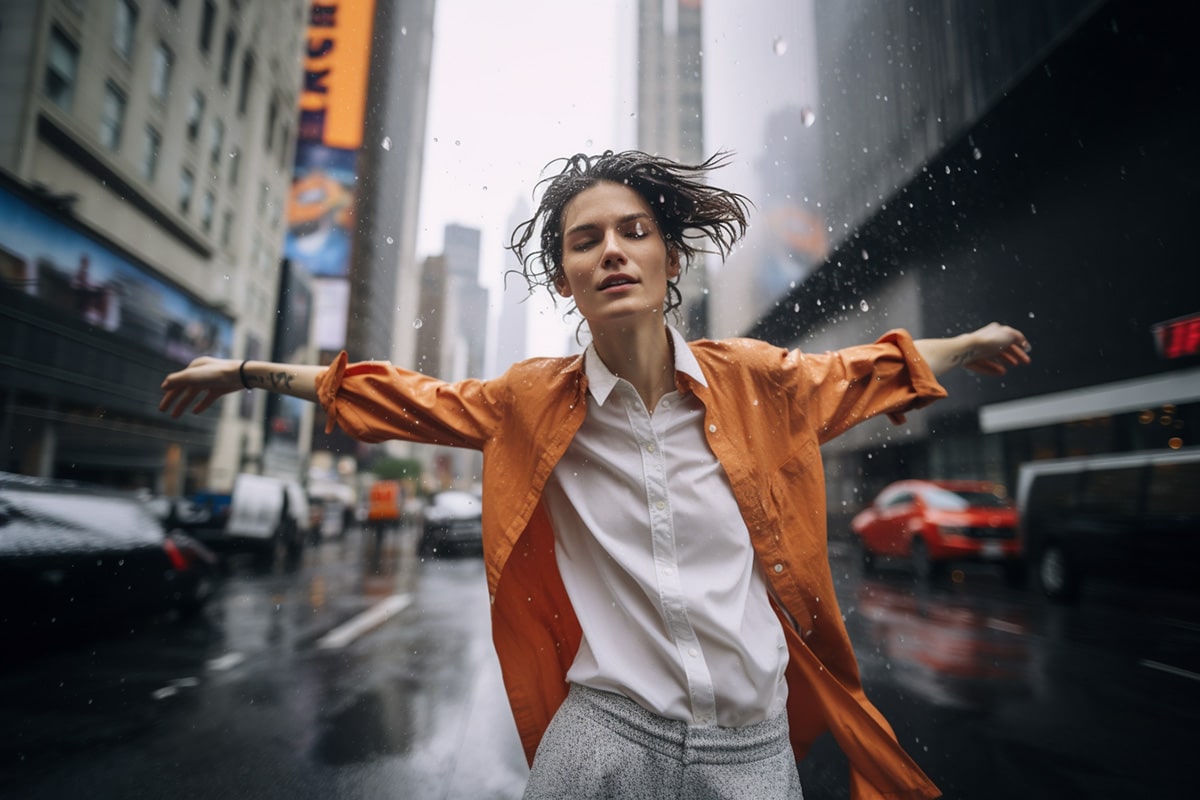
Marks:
<point>268,513</point>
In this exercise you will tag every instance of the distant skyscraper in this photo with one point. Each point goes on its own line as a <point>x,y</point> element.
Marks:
<point>511,339</point>
<point>671,111</point>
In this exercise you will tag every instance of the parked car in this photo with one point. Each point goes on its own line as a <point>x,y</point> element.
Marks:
<point>74,555</point>
<point>937,523</point>
<point>452,523</point>
<point>267,515</point>
<point>202,517</point>
<point>1133,518</point>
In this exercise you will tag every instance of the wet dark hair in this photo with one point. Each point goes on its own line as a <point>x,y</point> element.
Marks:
<point>686,209</point>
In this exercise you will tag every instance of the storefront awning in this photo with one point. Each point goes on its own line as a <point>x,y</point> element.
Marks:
<point>1092,401</point>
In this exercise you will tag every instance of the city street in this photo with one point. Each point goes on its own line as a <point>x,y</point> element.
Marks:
<point>285,690</point>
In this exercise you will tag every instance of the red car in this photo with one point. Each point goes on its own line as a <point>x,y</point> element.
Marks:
<point>935,523</point>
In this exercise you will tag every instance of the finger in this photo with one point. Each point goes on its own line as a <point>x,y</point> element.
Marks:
<point>205,402</point>
<point>184,401</point>
<point>167,398</point>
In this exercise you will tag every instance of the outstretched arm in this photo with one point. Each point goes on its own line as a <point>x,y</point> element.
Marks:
<point>991,350</point>
<point>209,379</point>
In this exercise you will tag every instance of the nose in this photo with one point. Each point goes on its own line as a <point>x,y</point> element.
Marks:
<point>614,254</point>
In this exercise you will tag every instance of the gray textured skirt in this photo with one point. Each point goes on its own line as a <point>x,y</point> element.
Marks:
<point>602,746</point>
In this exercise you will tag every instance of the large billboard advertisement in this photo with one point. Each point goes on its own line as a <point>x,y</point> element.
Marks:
<point>78,275</point>
<point>321,205</point>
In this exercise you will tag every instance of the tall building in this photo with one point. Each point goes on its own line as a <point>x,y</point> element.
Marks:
<point>1028,166</point>
<point>513,323</point>
<point>370,306</point>
<point>670,113</point>
<point>145,155</point>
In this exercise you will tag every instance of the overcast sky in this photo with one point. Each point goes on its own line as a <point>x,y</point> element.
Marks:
<point>513,86</point>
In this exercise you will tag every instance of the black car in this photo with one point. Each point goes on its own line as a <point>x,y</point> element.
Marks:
<point>74,556</point>
<point>453,523</point>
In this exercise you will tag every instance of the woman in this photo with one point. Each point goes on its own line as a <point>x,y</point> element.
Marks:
<point>654,519</point>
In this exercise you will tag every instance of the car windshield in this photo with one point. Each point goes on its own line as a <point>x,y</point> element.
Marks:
<point>962,499</point>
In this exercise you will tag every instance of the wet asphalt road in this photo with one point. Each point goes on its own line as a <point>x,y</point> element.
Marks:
<point>995,693</point>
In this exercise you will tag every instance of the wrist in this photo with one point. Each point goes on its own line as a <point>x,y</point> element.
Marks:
<point>242,374</point>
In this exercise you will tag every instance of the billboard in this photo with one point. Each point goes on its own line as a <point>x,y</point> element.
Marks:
<point>80,276</point>
<point>321,204</point>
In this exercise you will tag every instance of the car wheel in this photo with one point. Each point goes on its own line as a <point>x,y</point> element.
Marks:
<point>924,566</point>
<point>1058,578</point>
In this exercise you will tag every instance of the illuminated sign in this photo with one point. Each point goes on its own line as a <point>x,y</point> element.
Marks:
<point>1179,337</point>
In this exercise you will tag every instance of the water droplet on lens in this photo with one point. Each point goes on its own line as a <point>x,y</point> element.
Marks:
<point>863,305</point>
<point>808,117</point>
<point>387,143</point>
<point>390,240</point>
<point>779,45</point>
<point>418,322</point>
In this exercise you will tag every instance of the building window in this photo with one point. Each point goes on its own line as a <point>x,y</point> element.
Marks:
<point>216,141</point>
<point>194,115</point>
<point>206,211</point>
<point>247,80</point>
<point>208,21</point>
<point>226,228</point>
<point>123,28</point>
<point>272,119</point>
<point>235,165</point>
<point>227,56</point>
<point>112,117</point>
<point>187,184</point>
<point>62,64</point>
<point>160,72</point>
<point>151,144</point>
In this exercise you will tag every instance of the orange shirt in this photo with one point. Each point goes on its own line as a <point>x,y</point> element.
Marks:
<point>767,411</point>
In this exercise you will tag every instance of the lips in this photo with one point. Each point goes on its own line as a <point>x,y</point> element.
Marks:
<point>616,280</point>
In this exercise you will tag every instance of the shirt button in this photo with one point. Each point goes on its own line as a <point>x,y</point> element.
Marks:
<point>779,567</point>
<point>693,652</point>
<point>649,448</point>
<point>668,571</point>
<point>660,505</point>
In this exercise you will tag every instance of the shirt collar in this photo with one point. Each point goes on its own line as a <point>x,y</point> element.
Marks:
<point>601,380</point>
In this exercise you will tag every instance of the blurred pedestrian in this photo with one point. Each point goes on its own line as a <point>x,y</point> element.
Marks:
<point>654,509</point>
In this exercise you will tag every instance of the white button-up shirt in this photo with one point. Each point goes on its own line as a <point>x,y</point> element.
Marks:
<point>658,563</point>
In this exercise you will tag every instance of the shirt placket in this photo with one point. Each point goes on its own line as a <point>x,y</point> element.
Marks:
<point>672,603</point>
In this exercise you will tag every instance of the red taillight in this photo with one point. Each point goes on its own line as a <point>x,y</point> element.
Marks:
<point>178,560</point>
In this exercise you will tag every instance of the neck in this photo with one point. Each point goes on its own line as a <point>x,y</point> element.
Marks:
<point>641,355</point>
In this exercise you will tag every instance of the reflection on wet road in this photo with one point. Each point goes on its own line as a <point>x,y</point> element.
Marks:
<point>367,674</point>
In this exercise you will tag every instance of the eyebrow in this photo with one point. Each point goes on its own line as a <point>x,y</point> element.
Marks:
<point>588,226</point>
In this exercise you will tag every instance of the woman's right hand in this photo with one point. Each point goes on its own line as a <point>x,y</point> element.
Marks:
<point>206,377</point>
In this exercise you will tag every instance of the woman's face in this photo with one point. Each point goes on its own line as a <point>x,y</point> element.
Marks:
<point>615,262</point>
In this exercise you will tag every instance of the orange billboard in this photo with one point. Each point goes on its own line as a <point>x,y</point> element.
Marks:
<point>337,64</point>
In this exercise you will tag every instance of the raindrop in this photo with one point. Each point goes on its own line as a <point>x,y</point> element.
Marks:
<point>947,169</point>
<point>588,143</point>
<point>390,240</point>
<point>808,117</point>
<point>457,142</point>
<point>404,30</point>
<point>977,153</point>
<point>485,188</point>
<point>1031,315</point>
<point>226,276</point>
<point>387,143</point>
<point>1032,208</point>
<point>863,305</point>
<point>779,45</point>
<point>866,256</point>
<point>418,322</point>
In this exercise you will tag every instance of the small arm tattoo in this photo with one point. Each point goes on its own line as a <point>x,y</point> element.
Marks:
<point>281,380</point>
<point>964,357</point>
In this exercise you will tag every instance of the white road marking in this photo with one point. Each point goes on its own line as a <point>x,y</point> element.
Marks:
<point>1178,671</point>
<point>367,621</point>
<point>225,662</point>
